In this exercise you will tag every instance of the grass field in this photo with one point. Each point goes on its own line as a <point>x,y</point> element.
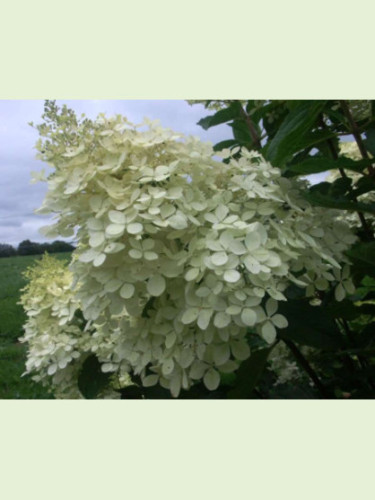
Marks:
<point>12,317</point>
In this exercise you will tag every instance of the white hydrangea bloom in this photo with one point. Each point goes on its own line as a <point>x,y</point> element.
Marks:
<point>180,254</point>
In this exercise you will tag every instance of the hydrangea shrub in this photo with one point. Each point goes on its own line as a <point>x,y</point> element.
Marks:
<point>180,254</point>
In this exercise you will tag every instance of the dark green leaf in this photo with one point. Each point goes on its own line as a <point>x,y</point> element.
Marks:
<point>91,379</point>
<point>241,133</point>
<point>132,392</point>
<point>367,336</point>
<point>249,374</point>
<point>346,309</point>
<point>297,123</point>
<point>363,253</point>
<point>317,164</point>
<point>225,144</point>
<point>364,185</point>
<point>330,195</point>
<point>314,138</point>
<point>224,115</point>
<point>309,325</point>
<point>370,140</point>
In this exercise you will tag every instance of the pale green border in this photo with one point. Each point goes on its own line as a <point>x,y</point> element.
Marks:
<point>193,50</point>
<point>187,450</point>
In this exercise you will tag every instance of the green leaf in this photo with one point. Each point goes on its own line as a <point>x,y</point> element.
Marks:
<point>346,309</point>
<point>249,374</point>
<point>370,141</point>
<point>225,144</point>
<point>222,116</point>
<point>317,164</point>
<point>91,380</point>
<point>241,133</point>
<point>297,123</point>
<point>330,195</point>
<point>309,325</point>
<point>367,336</point>
<point>314,138</point>
<point>363,253</point>
<point>364,185</point>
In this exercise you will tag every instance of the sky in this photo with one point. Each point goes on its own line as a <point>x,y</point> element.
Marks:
<point>19,198</point>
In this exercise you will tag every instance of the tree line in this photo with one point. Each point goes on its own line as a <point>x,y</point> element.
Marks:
<point>27,247</point>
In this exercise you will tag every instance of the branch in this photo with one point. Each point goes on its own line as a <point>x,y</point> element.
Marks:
<point>305,365</point>
<point>366,228</point>
<point>356,134</point>
<point>254,134</point>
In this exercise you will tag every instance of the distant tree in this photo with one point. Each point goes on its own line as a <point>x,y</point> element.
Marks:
<point>7,250</point>
<point>27,247</point>
<point>60,246</point>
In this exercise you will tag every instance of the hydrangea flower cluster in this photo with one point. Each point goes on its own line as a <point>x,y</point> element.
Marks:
<point>55,337</point>
<point>179,254</point>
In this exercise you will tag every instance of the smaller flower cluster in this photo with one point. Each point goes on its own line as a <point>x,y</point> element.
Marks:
<point>57,342</point>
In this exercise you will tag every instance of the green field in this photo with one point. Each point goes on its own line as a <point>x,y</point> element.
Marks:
<point>12,317</point>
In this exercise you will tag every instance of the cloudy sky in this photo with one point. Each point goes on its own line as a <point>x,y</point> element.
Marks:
<point>19,198</point>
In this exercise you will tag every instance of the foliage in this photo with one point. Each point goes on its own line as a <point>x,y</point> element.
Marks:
<point>308,137</point>
<point>7,250</point>
<point>183,260</point>
<point>27,247</point>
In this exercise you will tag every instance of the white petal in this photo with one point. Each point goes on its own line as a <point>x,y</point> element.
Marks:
<point>240,350</point>
<point>252,241</point>
<point>112,285</point>
<point>98,261</point>
<point>175,386</point>
<point>186,358</point>
<point>135,254</point>
<point>150,255</point>
<point>190,315</point>
<point>232,276</point>
<point>96,239</point>
<point>268,332</point>
<point>114,247</point>
<point>178,221</point>
<point>127,291</point>
<point>222,320</point>
<point>339,293</point>
<point>197,369</point>
<point>211,379</point>
<point>134,228</point>
<point>167,367</point>
<point>221,212</point>
<point>96,202</point>
<point>192,274</point>
<point>170,340</point>
<point>233,310</point>
<point>248,317</point>
<point>204,318</point>
<point>52,369</point>
<point>271,307</point>
<point>279,320</point>
<point>150,380</point>
<point>221,354</point>
<point>219,258</point>
<point>117,217</point>
<point>156,285</point>
<point>88,256</point>
<point>114,229</point>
